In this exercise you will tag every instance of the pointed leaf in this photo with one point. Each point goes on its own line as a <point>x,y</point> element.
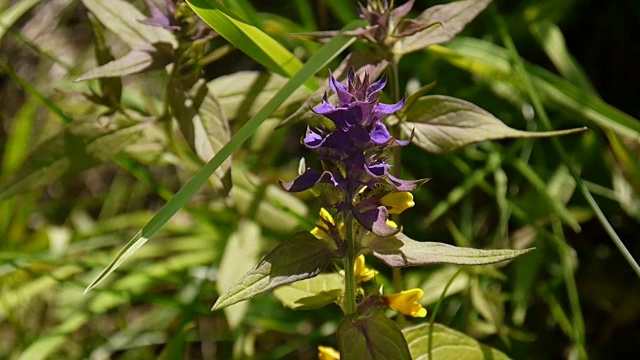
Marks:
<point>452,17</point>
<point>243,244</point>
<point>134,62</point>
<point>443,123</point>
<point>252,41</point>
<point>400,251</point>
<point>123,19</point>
<point>371,337</point>
<point>301,257</point>
<point>447,344</point>
<point>311,293</point>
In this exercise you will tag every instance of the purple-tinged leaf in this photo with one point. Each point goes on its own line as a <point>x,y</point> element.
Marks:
<point>452,17</point>
<point>370,337</point>
<point>302,256</point>
<point>400,251</point>
<point>443,123</point>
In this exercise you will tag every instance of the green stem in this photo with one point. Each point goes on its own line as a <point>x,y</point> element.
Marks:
<point>349,274</point>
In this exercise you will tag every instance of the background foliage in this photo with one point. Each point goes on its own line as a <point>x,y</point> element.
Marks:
<point>86,165</point>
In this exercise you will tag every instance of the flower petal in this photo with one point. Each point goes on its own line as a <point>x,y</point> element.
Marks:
<point>406,302</point>
<point>308,179</point>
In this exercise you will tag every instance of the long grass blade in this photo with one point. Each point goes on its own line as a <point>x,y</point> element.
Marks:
<point>318,61</point>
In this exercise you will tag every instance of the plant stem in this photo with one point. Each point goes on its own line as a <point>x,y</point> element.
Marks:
<point>349,264</point>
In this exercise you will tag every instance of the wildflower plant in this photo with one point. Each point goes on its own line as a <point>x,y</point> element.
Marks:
<point>360,125</point>
<point>357,193</point>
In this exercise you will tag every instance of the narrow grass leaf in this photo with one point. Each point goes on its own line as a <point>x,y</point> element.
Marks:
<point>400,251</point>
<point>248,38</point>
<point>443,123</point>
<point>315,63</point>
<point>9,16</point>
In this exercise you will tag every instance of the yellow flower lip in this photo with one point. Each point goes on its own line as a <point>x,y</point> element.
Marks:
<point>362,273</point>
<point>398,202</point>
<point>406,302</point>
<point>327,353</point>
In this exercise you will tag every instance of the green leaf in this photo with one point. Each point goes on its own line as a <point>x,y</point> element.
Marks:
<point>302,256</point>
<point>123,19</point>
<point>311,293</point>
<point>452,17</point>
<point>134,62</point>
<point>248,38</point>
<point>483,58</point>
<point>371,337</point>
<point>447,344</point>
<point>243,244</point>
<point>443,123</point>
<point>79,146</point>
<point>400,250</point>
<point>318,61</point>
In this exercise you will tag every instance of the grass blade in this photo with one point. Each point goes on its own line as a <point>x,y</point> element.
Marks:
<point>318,61</point>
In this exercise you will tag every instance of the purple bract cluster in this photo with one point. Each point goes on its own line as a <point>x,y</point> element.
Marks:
<point>354,154</point>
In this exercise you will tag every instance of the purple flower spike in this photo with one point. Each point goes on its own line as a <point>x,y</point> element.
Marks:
<point>354,154</point>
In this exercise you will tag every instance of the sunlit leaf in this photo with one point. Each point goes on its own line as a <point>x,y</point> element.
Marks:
<point>447,344</point>
<point>300,257</point>
<point>134,62</point>
<point>400,250</point>
<point>252,41</point>
<point>370,337</point>
<point>442,123</point>
<point>9,16</point>
<point>311,293</point>
<point>123,19</point>
<point>244,244</point>
<point>451,19</point>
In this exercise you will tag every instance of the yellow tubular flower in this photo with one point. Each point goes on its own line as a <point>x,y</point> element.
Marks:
<point>397,202</point>
<point>362,273</point>
<point>318,231</point>
<point>406,302</point>
<point>328,353</point>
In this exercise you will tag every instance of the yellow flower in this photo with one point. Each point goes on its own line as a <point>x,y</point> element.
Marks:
<point>397,202</point>
<point>328,353</point>
<point>406,302</point>
<point>319,232</point>
<point>362,273</point>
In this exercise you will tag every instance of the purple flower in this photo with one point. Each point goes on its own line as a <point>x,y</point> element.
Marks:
<point>354,154</point>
